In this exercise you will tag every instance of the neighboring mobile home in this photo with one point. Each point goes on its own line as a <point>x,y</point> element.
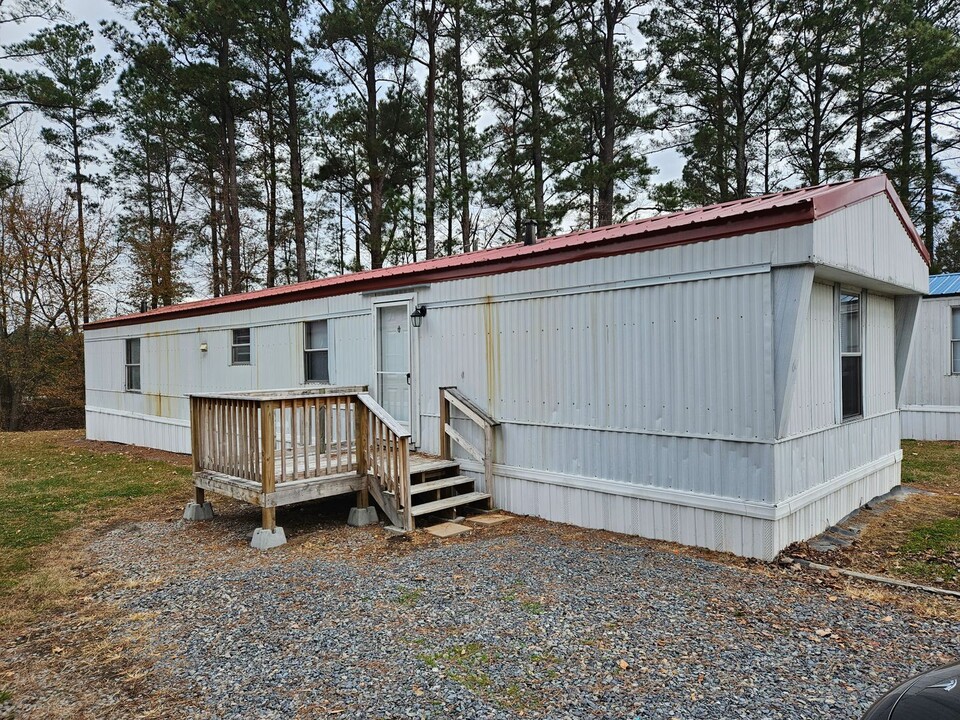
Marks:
<point>931,395</point>
<point>726,377</point>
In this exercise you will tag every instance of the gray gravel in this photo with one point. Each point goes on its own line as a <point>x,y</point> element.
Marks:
<point>525,620</point>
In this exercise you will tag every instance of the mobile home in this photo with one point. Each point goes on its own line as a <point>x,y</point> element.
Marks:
<point>727,377</point>
<point>931,396</point>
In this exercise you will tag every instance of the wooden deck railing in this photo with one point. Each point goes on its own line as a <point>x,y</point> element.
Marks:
<point>281,437</point>
<point>385,453</point>
<point>451,397</point>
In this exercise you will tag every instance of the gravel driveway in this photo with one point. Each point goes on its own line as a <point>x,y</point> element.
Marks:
<point>528,619</point>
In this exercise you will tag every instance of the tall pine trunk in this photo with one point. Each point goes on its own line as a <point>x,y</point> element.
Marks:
<point>231,207</point>
<point>293,144</point>
<point>605,199</point>
<point>81,228</point>
<point>536,119</point>
<point>272,195</point>
<point>929,172</point>
<point>214,235</point>
<point>459,80</point>
<point>432,20</point>
<point>372,142</point>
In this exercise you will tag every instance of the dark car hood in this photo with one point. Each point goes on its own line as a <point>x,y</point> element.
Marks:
<point>932,696</point>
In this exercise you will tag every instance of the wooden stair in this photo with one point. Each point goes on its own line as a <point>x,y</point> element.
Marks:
<point>438,488</point>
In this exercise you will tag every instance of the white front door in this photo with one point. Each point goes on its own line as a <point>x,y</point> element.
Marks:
<point>393,361</point>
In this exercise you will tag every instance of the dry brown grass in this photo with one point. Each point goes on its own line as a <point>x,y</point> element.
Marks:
<point>915,537</point>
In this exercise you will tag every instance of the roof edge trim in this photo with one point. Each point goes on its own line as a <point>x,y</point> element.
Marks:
<point>770,219</point>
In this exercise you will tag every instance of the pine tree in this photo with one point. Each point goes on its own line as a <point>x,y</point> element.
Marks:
<point>815,129</point>
<point>67,90</point>
<point>523,53</point>
<point>369,46</point>
<point>725,61</point>
<point>153,174</point>
<point>601,88</point>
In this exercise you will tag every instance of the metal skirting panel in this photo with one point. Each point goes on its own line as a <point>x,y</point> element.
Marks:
<point>716,527</point>
<point>714,530</point>
<point>930,423</point>
<point>131,429</point>
<point>816,517</point>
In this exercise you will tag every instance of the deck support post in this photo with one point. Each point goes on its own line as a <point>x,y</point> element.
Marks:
<point>269,535</point>
<point>199,510</point>
<point>361,516</point>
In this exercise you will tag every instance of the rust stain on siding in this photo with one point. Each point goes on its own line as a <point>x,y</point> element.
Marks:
<point>491,332</point>
<point>154,404</point>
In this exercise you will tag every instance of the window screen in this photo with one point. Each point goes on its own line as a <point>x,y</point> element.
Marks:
<point>240,347</point>
<point>851,356</point>
<point>132,364</point>
<point>316,352</point>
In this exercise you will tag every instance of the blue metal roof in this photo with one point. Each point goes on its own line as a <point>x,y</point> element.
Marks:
<point>946,284</point>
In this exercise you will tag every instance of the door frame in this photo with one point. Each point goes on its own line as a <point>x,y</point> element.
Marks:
<point>408,301</point>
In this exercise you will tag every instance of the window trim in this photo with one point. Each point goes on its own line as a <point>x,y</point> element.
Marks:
<point>234,345</point>
<point>860,294</point>
<point>307,350</point>
<point>127,365</point>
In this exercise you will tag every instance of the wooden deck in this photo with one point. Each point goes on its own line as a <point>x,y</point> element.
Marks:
<point>282,447</point>
<point>303,489</point>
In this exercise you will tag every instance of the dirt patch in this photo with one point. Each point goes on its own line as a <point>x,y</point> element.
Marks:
<point>76,439</point>
<point>915,537</point>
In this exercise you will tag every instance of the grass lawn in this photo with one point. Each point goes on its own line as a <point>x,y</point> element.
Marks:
<point>51,483</point>
<point>918,539</point>
<point>931,465</point>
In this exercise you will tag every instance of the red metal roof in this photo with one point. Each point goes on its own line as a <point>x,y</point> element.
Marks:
<point>766,212</point>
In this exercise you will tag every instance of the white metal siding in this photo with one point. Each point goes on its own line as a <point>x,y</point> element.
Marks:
<point>866,239</point>
<point>685,359</point>
<point>879,373</point>
<point>930,422</point>
<point>814,397</point>
<point>929,380</point>
<point>931,393</point>
<point>808,460</point>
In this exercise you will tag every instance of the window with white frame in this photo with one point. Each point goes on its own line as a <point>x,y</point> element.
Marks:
<point>851,355</point>
<point>316,352</point>
<point>132,364</point>
<point>240,347</point>
<point>955,340</point>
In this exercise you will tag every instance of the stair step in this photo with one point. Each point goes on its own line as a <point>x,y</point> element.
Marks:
<point>420,464</point>
<point>441,483</point>
<point>437,505</point>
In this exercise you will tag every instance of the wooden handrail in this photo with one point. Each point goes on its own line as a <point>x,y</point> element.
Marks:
<point>452,397</point>
<point>375,407</point>
<point>385,459</point>
<point>310,391</point>
<point>469,408</point>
